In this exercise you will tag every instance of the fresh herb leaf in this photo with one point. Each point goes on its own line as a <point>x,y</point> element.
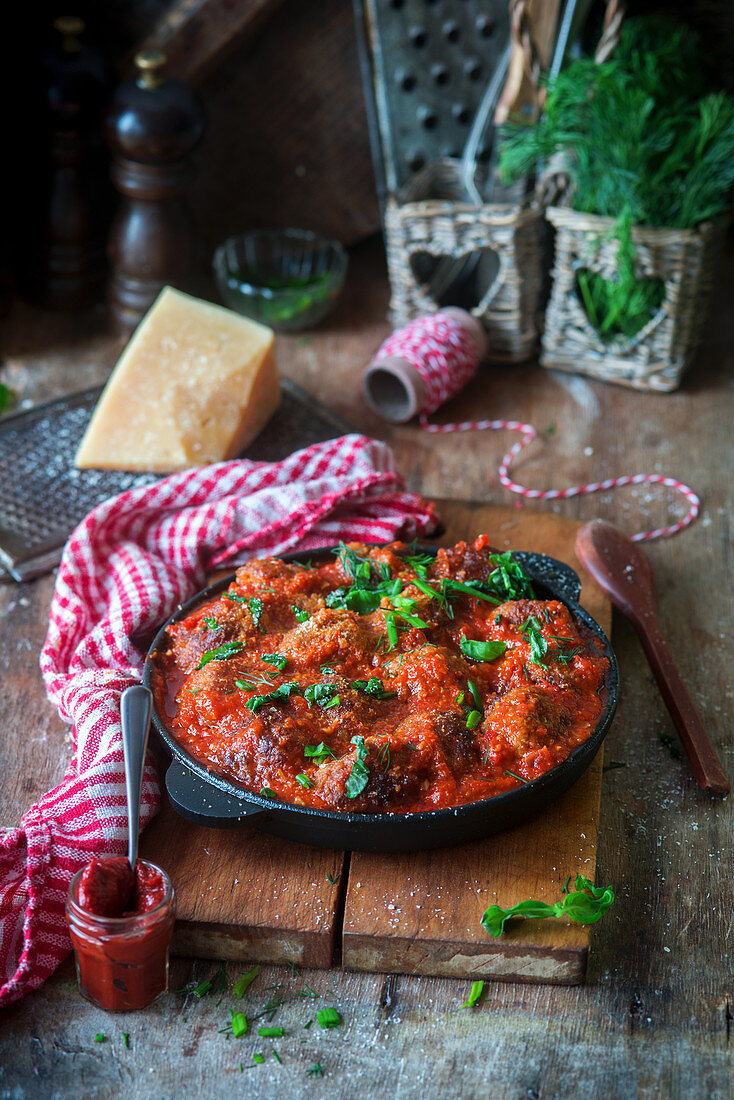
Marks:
<point>475,994</point>
<point>276,1056</point>
<point>374,686</point>
<point>283,692</point>
<point>473,719</point>
<point>319,753</point>
<point>276,659</point>
<point>507,772</point>
<point>474,694</point>
<point>267,792</point>
<point>328,1017</point>
<point>585,905</point>
<point>315,1071</point>
<point>328,670</point>
<point>320,694</point>
<point>481,651</point>
<point>211,623</point>
<point>392,630</point>
<point>258,1059</point>
<point>99,1038</point>
<point>564,889</point>
<point>301,615</point>
<point>305,781</point>
<point>239,1023</point>
<point>532,630</point>
<point>243,984</point>
<point>334,703</point>
<point>271,1032</point>
<point>126,1040</point>
<point>221,653</point>
<point>358,777</point>
<point>256,609</point>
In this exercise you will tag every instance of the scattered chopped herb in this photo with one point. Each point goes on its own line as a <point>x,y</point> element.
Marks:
<point>475,994</point>
<point>327,670</point>
<point>235,598</point>
<point>307,1025</point>
<point>239,1023</point>
<point>267,792</point>
<point>276,1056</point>
<point>481,651</point>
<point>243,984</point>
<point>271,1032</point>
<point>509,580</point>
<point>316,1070</point>
<point>334,703</point>
<point>321,694</point>
<point>474,694</point>
<point>383,757</point>
<point>478,589</point>
<point>507,772</point>
<point>319,753</point>
<point>550,430</point>
<point>211,623</point>
<point>359,775</point>
<point>392,630</point>
<point>333,879</point>
<point>256,609</point>
<point>473,719</point>
<point>126,1040</point>
<point>328,1017</point>
<point>374,686</point>
<point>419,563</point>
<point>276,659</point>
<point>305,781</point>
<point>586,904</point>
<point>283,692</point>
<point>301,615</point>
<point>253,681</point>
<point>531,628</point>
<point>564,889</point>
<point>258,1059</point>
<point>221,653</point>
<point>99,1038</point>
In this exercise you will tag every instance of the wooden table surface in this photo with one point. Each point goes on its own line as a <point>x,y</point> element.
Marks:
<point>655,1016</point>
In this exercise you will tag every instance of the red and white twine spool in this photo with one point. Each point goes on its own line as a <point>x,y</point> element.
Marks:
<point>442,352</point>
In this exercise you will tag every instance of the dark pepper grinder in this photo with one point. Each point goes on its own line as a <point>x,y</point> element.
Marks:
<point>153,125</point>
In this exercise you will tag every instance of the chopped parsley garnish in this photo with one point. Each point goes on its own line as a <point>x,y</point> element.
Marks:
<point>475,994</point>
<point>211,623</point>
<point>328,1017</point>
<point>221,653</point>
<point>283,692</point>
<point>481,651</point>
<point>301,615</point>
<point>256,609</point>
<point>374,687</point>
<point>319,753</point>
<point>276,659</point>
<point>239,1023</point>
<point>305,781</point>
<point>358,777</point>
<point>243,984</point>
<point>585,905</point>
<point>321,694</point>
<point>531,628</point>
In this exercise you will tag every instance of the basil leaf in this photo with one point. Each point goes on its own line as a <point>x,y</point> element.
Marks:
<point>301,615</point>
<point>532,630</point>
<point>318,752</point>
<point>358,777</point>
<point>585,905</point>
<point>305,781</point>
<point>321,694</point>
<point>374,686</point>
<point>276,659</point>
<point>283,692</point>
<point>221,653</point>
<point>481,651</point>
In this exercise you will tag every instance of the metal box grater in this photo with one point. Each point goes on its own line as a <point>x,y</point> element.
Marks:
<point>43,497</point>
<point>425,67</point>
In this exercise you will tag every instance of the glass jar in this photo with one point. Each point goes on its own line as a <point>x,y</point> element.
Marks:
<point>122,962</point>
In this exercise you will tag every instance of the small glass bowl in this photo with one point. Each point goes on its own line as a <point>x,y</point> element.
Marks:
<point>288,279</point>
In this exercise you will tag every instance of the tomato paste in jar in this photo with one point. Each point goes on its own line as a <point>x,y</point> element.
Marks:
<point>121,925</point>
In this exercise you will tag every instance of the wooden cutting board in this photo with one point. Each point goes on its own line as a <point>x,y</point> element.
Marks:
<point>246,895</point>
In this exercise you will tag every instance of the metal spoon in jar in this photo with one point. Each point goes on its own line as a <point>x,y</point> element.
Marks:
<point>136,707</point>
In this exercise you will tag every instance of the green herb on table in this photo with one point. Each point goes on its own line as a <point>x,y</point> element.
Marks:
<point>276,1056</point>
<point>481,651</point>
<point>276,659</point>
<point>243,984</point>
<point>258,1059</point>
<point>99,1038</point>
<point>239,1023</point>
<point>221,653</point>
<point>126,1040</point>
<point>7,398</point>
<point>333,879</point>
<point>585,905</point>
<point>328,1017</point>
<point>271,1032</point>
<point>315,1071</point>
<point>283,692</point>
<point>358,777</point>
<point>564,888</point>
<point>474,995</point>
<point>613,765</point>
<point>301,615</point>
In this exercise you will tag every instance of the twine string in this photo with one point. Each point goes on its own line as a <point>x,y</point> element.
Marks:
<point>444,356</point>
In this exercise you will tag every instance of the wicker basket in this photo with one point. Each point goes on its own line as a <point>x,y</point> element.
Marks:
<point>656,357</point>
<point>428,217</point>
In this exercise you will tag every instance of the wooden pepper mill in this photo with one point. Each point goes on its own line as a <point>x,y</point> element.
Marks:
<point>69,271</point>
<point>153,124</point>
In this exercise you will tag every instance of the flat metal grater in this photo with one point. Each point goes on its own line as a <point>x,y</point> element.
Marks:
<point>425,67</point>
<point>43,497</point>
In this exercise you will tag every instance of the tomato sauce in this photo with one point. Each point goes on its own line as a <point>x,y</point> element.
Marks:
<point>381,681</point>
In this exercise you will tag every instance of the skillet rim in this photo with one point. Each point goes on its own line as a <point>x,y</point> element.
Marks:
<point>530,792</point>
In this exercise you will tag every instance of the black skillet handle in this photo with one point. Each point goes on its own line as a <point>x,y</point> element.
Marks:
<point>555,575</point>
<point>204,803</point>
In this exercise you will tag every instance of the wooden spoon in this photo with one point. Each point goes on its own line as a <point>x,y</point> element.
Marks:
<point>624,573</point>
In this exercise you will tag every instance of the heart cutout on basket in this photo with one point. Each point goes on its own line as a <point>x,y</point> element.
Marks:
<point>619,309</point>
<point>464,281</point>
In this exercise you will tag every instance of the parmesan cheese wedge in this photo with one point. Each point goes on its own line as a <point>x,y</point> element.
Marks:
<point>195,385</point>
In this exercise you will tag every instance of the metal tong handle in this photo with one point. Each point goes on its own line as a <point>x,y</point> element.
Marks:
<point>136,707</point>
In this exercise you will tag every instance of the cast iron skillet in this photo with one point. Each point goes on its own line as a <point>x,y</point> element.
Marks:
<point>209,799</point>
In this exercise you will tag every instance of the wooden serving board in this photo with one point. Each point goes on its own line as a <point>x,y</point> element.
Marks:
<point>245,895</point>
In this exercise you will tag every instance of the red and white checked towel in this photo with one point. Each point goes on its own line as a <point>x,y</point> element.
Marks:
<point>124,570</point>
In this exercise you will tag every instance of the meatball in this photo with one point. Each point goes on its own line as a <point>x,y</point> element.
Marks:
<point>464,562</point>
<point>458,744</point>
<point>525,718</point>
